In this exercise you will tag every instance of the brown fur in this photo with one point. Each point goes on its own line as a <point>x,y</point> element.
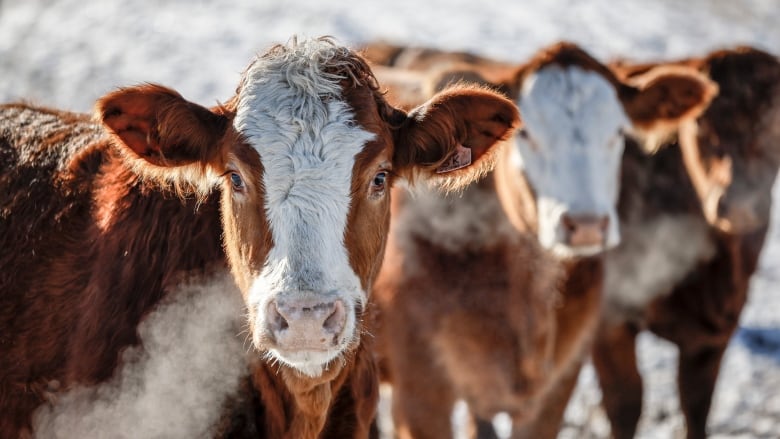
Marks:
<point>700,311</point>
<point>94,236</point>
<point>483,322</point>
<point>74,223</point>
<point>449,327</point>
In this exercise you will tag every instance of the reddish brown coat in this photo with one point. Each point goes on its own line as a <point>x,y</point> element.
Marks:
<point>489,316</point>
<point>94,235</point>
<point>711,251</point>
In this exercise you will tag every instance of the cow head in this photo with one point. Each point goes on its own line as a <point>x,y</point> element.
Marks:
<point>732,152</point>
<point>305,154</point>
<point>565,164</point>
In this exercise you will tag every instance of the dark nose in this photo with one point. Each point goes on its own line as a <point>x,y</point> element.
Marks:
<point>585,230</point>
<point>306,323</point>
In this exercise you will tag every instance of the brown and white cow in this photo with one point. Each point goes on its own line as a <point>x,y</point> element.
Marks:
<point>493,296</point>
<point>694,217</point>
<point>294,171</point>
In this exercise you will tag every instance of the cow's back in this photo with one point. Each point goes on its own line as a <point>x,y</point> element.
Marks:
<point>40,195</point>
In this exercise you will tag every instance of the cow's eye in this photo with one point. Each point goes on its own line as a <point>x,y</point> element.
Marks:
<point>379,180</point>
<point>236,181</point>
<point>378,184</point>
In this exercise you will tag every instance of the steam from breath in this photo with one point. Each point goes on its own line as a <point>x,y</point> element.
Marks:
<point>174,386</point>
<point>653,256</point>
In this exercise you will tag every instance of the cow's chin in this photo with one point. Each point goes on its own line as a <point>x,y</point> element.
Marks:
<point>311,363</point>
<point>564,251</point>
<point>567,252</point>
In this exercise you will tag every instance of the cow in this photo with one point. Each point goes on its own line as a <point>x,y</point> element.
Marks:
<point>100,220</point>
<point>493,296</point>
<point>694,217</point>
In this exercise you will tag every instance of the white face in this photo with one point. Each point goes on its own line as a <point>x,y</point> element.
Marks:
<point>570,152</point>
<point>304,298</point>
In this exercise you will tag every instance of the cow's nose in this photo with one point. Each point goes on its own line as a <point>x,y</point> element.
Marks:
<point>584,230</point>
<point>306,323</point>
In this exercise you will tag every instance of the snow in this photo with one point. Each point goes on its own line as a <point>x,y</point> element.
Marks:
<point>67,53</point>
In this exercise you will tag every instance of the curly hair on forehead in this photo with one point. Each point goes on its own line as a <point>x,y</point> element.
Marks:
<point>335,61</point>
<point>321,57</point>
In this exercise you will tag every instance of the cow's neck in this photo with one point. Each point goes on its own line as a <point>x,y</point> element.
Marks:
<point>298,407</point>
<point>313,398</point>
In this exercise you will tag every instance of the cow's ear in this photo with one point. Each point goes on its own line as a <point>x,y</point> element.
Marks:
<point>157,125</point>
<point>665,96</point>
<point>452,138</point>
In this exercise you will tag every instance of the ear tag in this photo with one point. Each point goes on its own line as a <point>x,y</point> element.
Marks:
<point>460,159</point>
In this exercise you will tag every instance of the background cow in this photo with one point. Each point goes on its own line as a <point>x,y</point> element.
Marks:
<point>477,315</point>
<point>694,217</point>
<point>298,164</point>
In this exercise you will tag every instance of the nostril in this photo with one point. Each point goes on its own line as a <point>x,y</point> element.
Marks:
<point>334,323</point>
<point>276,320</point>
<point>569,223</point>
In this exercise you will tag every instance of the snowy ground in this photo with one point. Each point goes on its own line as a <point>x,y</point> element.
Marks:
<point>67,53</point>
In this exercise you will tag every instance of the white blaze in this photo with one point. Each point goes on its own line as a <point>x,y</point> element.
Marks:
<point>293,114</point>
<point>572,153</point>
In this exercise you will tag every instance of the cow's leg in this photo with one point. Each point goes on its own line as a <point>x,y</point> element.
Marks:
<point>422,401</point>
<point>614,358</point>
<point>576,323</point>
<point>546,423</point>
<point>422,414</point>
<point>697,374</point>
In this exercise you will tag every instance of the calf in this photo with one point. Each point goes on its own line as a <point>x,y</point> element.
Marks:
<point>493,296</point>
<point>294,172</point>
<point>694,217</point>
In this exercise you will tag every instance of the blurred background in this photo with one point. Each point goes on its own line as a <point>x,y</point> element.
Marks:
<point>67,53</point>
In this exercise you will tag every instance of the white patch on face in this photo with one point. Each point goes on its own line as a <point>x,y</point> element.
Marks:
<point>653,257</point>
<point>293,114</point>
<point>572,152</point>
